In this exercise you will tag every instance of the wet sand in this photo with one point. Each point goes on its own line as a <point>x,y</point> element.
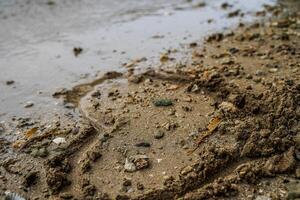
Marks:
<point>219,121</point>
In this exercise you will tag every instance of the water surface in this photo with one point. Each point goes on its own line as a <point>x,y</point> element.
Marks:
<point>37,38</point>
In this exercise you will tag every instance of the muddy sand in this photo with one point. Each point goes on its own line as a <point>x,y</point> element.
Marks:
<point>224,124</point>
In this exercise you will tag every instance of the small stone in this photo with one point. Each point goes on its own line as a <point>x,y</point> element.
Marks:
<point>193,44</point>
<point>127,182</point>
<point>227,107</point>
<point>163,102</point>
<point>259,73</point>
<point>28,104</point>
<point>86,166</point>
<point>104,137</point>
<point>77,51</point>
<point>51,3</point>
<point>187,99</point>
<point>10,82</point>
<point>129,166</point>
<point>94,155</point>
<point>261,197</point>
<point>96,94</point>
<point>186,170</point>
<point>140,186</point>
<point>12,195</point>
<point>143,144</point>
<point>66,196</point>
<point>42,152</point>
<point>273,70</point>
<point>159,134</point>
<point>257,79</point>
<point>59,140</point>
<point>249,76</point>
<point>140,161</point>
<point>69,105</point>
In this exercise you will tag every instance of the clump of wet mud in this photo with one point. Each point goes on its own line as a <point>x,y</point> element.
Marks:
<point>225,124</point>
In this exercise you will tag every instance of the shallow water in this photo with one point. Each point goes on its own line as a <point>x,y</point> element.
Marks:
<point>37,41</point>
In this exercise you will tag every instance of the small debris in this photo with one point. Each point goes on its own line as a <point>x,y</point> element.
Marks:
<point>59,140</point>
<point>227,107</point>
<point>77,51</point>
<point>262,197</point>
<point>140,186</point>
<point>172,87</point>
<point>273,70</point>
<point>213,124</point>
<point>13,196</point>
<point>66,196</point>
<point>42,152</point>
<point>200,5</point>
<point>29,104</point>
<point>129,166</point>
<point>164,58</point>
<point>10,82</point>
<point>94,155</point>
<point>159,134</point>
<point>234,13</point>
<point>136,162</point>
<point>51,3</point>
<point>193,44</point>
<point>29,134</point>
<point>143,144</point>
<point>163,102</point>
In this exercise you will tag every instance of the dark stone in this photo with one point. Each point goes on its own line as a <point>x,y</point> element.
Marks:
<point>143,144</point>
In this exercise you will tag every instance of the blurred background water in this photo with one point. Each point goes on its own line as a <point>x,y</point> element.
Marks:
<point>37,38</point>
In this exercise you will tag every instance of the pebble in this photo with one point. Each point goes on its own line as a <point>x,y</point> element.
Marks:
<point>129,166</point>
<point>127,182</point>
<point>227,107</point>
<point>273,70</point>
<point>259,73</point>
<point>186,170</point>
<point>28,104</point>
<point>12,195</point>
<point>261,197</point>
<point>140,186</point>
<point>143,144</point>
<point>163,102</point>
<point>69,105</point>
<point>159,134</point>
<point>59,140</point>
<point>42,152</point>
<point>10,82</point>
<point>249,76</point>
<point>257,80</point>
<point>104,137</point>
<point>136,162</point>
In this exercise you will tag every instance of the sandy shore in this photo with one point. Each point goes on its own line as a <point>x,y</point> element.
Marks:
<point>222,124</point>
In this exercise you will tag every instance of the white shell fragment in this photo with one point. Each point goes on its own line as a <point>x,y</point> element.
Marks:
<point>59,140</point>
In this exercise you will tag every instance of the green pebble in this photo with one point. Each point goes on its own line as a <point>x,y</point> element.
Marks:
<point>163,102</point>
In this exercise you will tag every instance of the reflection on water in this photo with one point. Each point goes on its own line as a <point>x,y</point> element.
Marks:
<point>37,39</point>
